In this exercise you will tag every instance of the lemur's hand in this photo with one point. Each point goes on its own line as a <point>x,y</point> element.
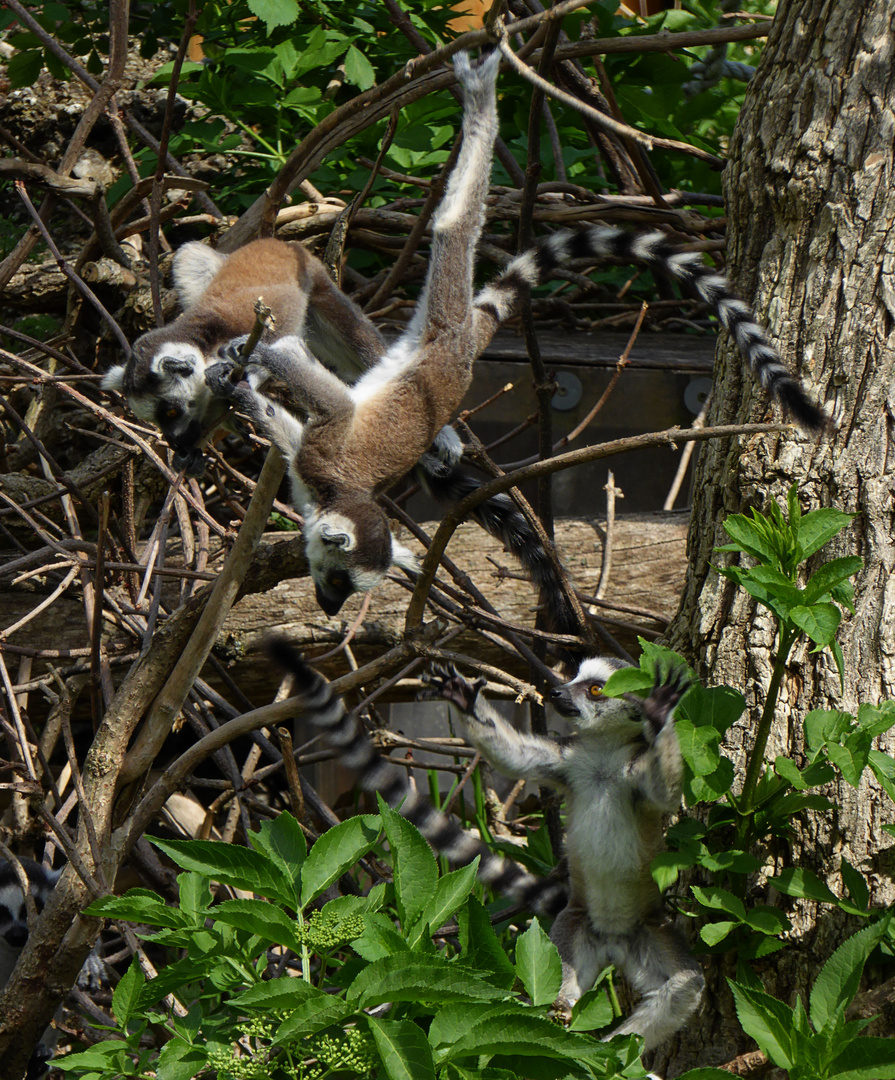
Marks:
<point>219,377</point>
<point>444,681</point>
<point>672,682</point>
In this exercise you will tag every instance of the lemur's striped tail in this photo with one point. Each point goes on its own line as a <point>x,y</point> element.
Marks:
<point>655,249</point>
<point>347,737</point>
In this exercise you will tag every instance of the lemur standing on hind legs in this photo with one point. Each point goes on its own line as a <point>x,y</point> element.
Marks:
<point>620,774</point>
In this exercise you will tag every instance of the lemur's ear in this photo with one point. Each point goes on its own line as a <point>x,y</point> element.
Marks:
<point>404,557</point>
<point>113,378</point>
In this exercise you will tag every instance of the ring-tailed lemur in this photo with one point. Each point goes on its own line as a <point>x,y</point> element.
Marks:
<point>621,773</point>
<point>14,935</point>
<point>354,442</point>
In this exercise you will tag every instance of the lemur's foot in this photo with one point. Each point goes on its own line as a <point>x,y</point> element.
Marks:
<point>444,681</point>
<point>224,377</point>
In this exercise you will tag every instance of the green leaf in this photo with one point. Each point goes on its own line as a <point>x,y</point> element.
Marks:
<point>268,922</point>
<point>451,891</point>
<point>715,932</point>
<point>767,920</point>
<point>855,884</point>
<point>820,621</point>
<point>538,965</point>
<point>403,1049</point>
<point>884,770</point>
<point>522,1035</point>
<point>126,994</point>
<point>336,851</point>
<point>311,1016</point>
<point>717,707</point>
<point>865,1059</point>
<point>667,865</point>
<point>767,1020</point>
<point>180,1060</point>
<point>720,900</point>
<point>628,680</point>
<point>415,869</point>
<point>827,577</point>
<point>410,977</point>
<point>277,995</point>
<point>593,1010</point>
<point>24,68</point>
<point>749,537</point>
<point>358,69</point>
<point>379,939</point>
<point>274,13</point>
<point>141,906</point>
<point>818,527</point>
<point>838,980</point>
<point>480,948</point>
<point>230,864</point>
<point>705,1074</point>
<point>283,842</point>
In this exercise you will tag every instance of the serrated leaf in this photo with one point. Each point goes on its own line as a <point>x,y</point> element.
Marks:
<point>538,965</point>
<point>593,1010</point>
<point>358,69</point>
<point>415,870</point>
<point>867,1058</point>
<point>840,976</point>
<point>827,577</point>
<point>749,537</point>
<point>767,1020</point>
<point>720,900</point>
<point>480,948</point>
<point>855,884</point>
<point>180,1060</point>
<point>229,864</point>
<point>628,680</point>
<point>522,1035</point>
<point>451,890</point>
<point>336,851</point>
<point>410,977</point>
<point>283,842</point>
<point>274,13</point>
<point>767,920</point>
<point>820,621</point>
<point>403,1049</point>
<point>141,906</point>
<point>312,1016</point>
<point>266,921</point>
<point>277,995</point>
<point>126,995</point>
<point>715,932</point>
<point>379,939</point>
<point>818,527</point>
<point>24,68</point>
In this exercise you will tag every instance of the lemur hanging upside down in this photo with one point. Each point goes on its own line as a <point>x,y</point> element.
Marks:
<point>620,774</point>
<point>349,444</point>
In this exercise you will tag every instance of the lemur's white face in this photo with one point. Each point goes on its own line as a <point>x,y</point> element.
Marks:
<point>331,543</point>
<point>169,390</point>
<point>581,700</point>
<point>13,913</point>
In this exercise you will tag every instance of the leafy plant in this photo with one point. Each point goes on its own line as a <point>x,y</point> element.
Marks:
<point>373,995</point>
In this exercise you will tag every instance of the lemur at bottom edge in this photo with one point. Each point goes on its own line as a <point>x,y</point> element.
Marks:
<point>620,773</point>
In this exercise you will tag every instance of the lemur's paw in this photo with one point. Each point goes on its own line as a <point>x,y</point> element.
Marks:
<point>561,1012</point>
<point>671,684</point>
<point>480,78</point>
<point>219,377</point>
<point>93,975</point>
<point>444,681</point>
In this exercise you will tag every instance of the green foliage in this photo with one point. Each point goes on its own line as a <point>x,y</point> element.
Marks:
<point>456,1012</point>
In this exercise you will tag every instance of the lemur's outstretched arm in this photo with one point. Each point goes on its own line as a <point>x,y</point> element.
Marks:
<point>514,753</point>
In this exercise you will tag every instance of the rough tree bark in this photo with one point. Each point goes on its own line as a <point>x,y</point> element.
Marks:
<point>811,204</point>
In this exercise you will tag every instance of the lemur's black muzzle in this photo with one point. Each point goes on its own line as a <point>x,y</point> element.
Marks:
<point>561,700</point>
<point>331,601</point>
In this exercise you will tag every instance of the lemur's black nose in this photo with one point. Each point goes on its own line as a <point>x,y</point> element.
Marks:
<point>556,693</point>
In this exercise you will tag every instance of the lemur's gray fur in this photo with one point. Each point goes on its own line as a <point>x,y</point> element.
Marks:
<point>14,936</point>
<point>348,444</point>
<point>620,774</point>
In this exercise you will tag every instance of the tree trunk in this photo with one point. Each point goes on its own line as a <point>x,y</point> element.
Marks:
<point>810,205</point>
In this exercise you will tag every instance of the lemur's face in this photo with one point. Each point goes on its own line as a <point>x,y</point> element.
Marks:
<point>581,699</point>
<point>165,385</point>
<point>13,912</point>
<point>343,558</point>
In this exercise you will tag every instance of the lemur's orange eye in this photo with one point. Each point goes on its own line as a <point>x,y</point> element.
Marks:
<point>595,690</point>
<point>172,413</point>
